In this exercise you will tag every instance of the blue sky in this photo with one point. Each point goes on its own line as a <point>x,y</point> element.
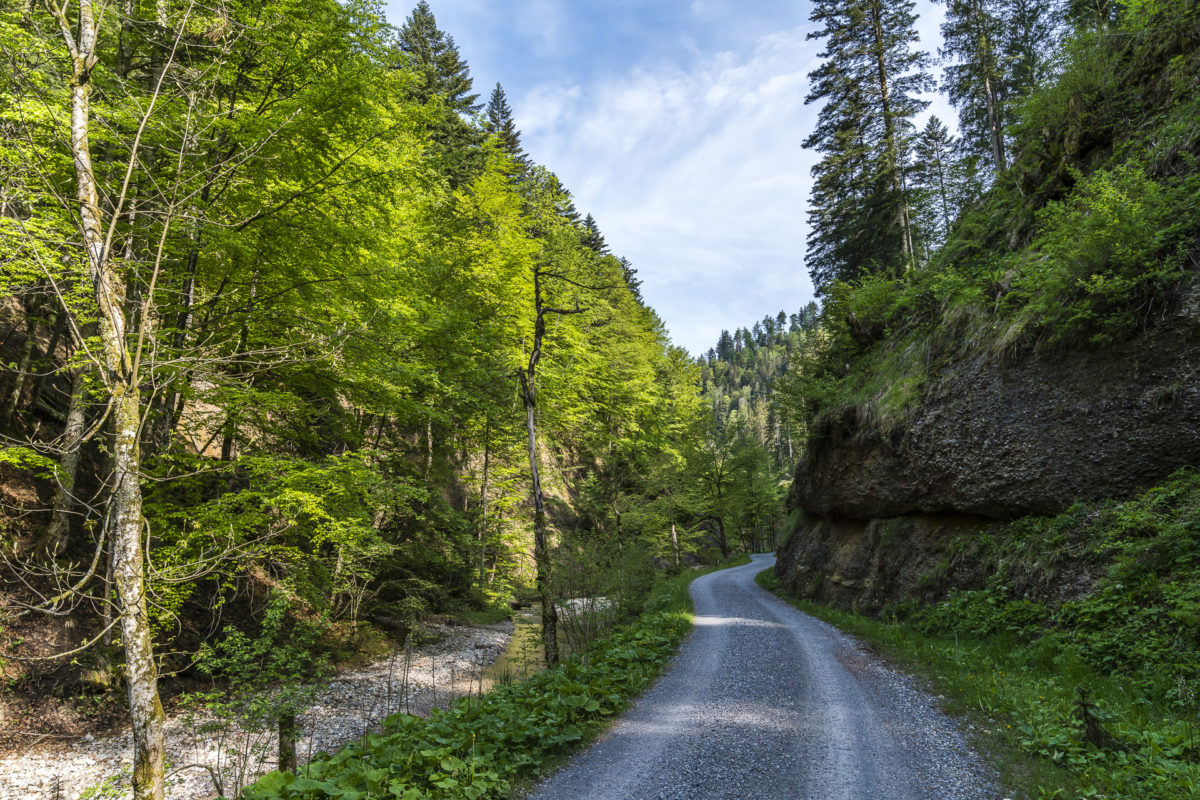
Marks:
<point>677,124</point>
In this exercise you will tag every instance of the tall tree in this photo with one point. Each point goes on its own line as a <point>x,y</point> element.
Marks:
<point>1031,30</point>
<point>443,72</point>
<point>941,178</point>
<point>995,52</point>
<point>593,239</point>
<point>120,371</point>
<point>499,122</point>
<point>443,79</point>
<point>869,83</point>
<point>973,33</point>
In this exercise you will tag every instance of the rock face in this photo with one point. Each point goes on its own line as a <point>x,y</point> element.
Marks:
<point>876,518</point>
<point>1003,441</point>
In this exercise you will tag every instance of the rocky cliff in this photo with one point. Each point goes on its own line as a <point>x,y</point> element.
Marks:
<point>992,441</point>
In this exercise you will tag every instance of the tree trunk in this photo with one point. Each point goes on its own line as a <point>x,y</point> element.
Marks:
<point>58,324</point>
<point>287,742</point>
<point>172,404</point>
<point>994,125</point>
<point>541,549</point>
<point>674,539</point>
<point>141,671</point>
<point>483,499</point>
<point>54,541</point>
<point>889,129</point>
<point>989,94</point>
<point>23,365</point>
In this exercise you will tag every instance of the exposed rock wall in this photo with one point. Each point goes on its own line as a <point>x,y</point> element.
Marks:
<point>1032,437</point>
<point>875,516</point>
<point>870,565</point>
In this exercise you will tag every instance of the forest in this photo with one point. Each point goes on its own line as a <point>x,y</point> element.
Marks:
<point>297,341</point>
<point>291,321</point>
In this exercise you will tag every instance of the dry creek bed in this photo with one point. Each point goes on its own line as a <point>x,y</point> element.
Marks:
<point>351,705</point>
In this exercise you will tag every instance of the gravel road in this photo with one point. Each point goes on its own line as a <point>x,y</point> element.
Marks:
<point>764,701</point>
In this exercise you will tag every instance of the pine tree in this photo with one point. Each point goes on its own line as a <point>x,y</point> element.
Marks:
<point>498,122</point>
<point>592,237</point>
<point>935,191</point>
<point>444,76</point>
<point>869,82</point>
<point>434,54</point>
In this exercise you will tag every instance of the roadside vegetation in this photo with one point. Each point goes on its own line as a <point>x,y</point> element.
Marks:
<point>1087,690</point>
<point>485,746</point>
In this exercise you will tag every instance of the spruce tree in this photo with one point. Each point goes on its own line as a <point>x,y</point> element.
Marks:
<point>868,82</point>
<point>434,54</point>
<point>498,122</point>
<point>443,76</point>
<point>1030,35</point>
<point>934,186</point>
<point>997,51</point>
<point>972,33</point>
<point>592,237</point>
<point>631,279</point>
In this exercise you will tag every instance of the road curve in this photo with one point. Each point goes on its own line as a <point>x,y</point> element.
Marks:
<point>764,701</point>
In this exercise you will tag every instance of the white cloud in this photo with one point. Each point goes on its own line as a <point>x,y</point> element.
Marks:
<point>678,125</point>
<point>695,172</point>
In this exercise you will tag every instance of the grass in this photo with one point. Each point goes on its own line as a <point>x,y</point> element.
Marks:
<point>1020,700</point>
<point>490,746</point>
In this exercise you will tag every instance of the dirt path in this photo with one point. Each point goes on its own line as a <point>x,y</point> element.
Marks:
<point>350,705</point>
<point>766,702</point>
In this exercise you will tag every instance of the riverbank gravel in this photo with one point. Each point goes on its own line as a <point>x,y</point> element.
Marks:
<point>350,705</point>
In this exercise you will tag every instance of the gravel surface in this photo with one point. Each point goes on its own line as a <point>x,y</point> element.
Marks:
<point>764,701</point>
<point>350,705</point>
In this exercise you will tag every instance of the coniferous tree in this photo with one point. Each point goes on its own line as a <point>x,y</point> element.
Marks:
<point>972,34</point>
<point>435,56</point>
<point>1092,13</point>
<point>499,122</point>
<point>868,82</point>
<point>1030,34</point>
<point>444,77</point>
<point>998,50</point>
<point>593,238</point>
<point>725,347</point>
<point>935,190</point>
<point>631,279</point>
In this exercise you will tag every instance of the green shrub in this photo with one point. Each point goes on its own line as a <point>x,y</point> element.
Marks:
<point>486,747</point>
<point>1130,638</point>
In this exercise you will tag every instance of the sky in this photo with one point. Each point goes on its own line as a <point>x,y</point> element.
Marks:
<point>678,125</point>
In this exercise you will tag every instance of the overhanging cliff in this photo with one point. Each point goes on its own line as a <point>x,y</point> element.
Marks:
<point>874,514</point>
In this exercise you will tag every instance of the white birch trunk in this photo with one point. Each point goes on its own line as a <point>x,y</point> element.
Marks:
<point>118,375</point>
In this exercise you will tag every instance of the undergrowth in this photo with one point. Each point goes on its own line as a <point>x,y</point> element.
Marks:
<point>1085,696</point>
<point>486,747</point>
